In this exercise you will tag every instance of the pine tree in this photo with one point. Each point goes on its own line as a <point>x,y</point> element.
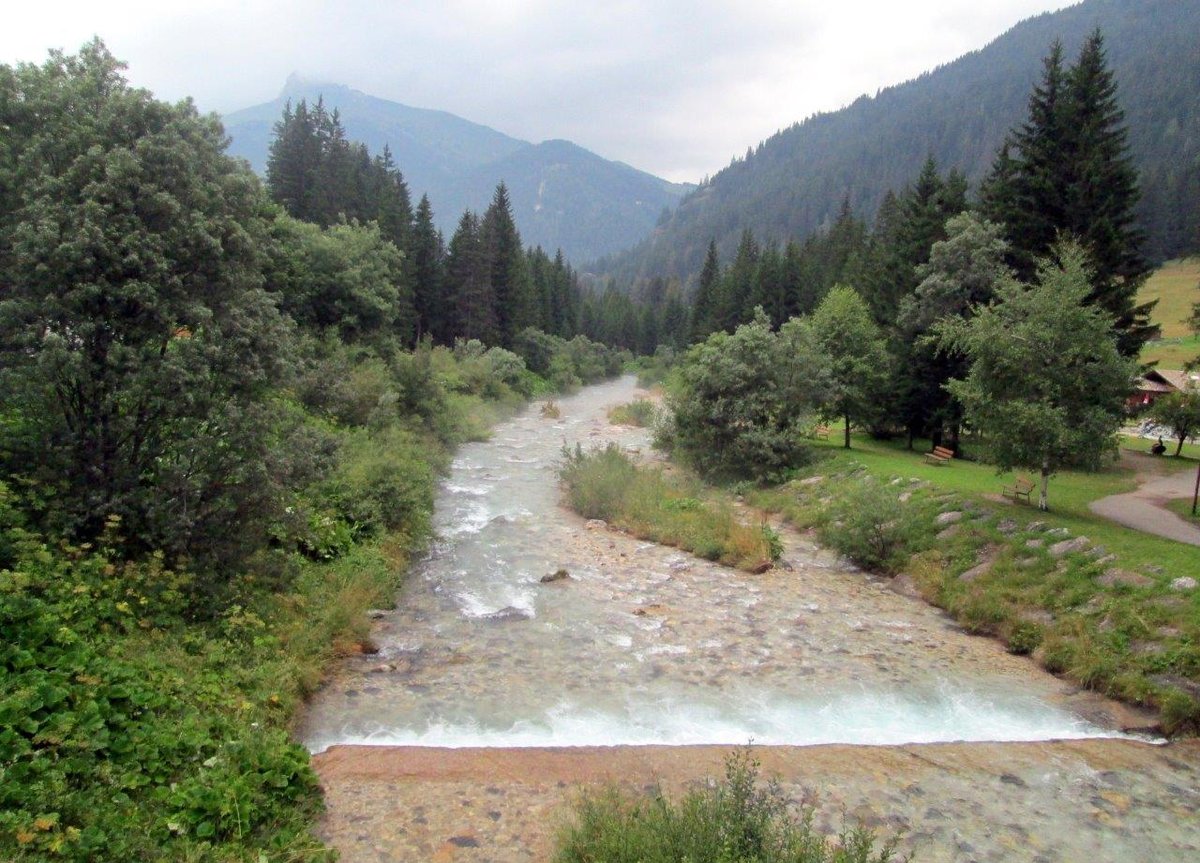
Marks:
<point>293,160</point>
<point>428,266</point>
<point>505,260</point>
<point>467,281</point>
<point>1066,172</point>
<point>1103,193</point>
<point>703,307</point>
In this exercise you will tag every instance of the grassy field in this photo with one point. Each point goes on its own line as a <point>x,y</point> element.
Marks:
<point>1175,287</point>
<point>1070,493</point>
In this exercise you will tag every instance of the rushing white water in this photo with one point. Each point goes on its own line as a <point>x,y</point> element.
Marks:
<point>645,645</point>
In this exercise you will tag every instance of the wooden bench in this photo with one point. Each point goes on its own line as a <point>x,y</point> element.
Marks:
<point>1021,488</point>
<point>940,455</point>
<point>821,432</point>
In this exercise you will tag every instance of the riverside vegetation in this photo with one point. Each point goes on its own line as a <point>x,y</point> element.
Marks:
<point>219,437</point>
<point>737,818</point>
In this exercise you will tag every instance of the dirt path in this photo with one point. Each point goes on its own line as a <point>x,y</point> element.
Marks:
<point>1095,800</point>
<point>1143,509</point>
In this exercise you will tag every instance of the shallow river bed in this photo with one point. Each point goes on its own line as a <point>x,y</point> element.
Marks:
<point>646,645</point>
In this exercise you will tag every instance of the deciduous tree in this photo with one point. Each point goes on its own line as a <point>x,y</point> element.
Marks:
<point>1046,384</point>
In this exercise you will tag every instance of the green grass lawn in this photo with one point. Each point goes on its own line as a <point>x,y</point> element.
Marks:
<point>1176,287</point>
<point>1070,493</point>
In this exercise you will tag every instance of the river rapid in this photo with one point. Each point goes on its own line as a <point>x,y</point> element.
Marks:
<point>645,645</point>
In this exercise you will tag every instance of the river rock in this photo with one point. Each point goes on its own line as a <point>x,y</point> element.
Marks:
<point>508,614</point>
<point>905,585</point>
<point>949,532</point>
<point>1034,543</point>
<point>1185,583</point>
<point>760,567</point>
<point>376,613</point>
<point>1079,543</point>
<point>1007,526</point>
<point>952,517</point>
<point>1036,526</point>
<point>596,524</point>
<point>977,571</point>
<point>1113,577</point>
<point>557,575</point>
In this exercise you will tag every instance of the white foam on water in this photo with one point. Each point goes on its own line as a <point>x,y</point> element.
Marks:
<point>467,518</point>
<point>504,596</point>
<point>471,490</point>
<point>849,718</point>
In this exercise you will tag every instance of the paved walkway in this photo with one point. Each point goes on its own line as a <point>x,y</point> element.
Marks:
<point>1142,509</point>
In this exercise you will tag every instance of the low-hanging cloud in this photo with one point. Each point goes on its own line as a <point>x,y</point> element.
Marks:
<point>672,87</point>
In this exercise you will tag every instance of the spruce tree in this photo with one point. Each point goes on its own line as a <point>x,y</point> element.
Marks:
<point>703,307</point>
<point>474,302</point>
<point>505,261</point>
<point>428,266</point>
<point>1066,172</point>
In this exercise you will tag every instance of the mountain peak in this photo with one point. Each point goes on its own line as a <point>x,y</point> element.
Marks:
<point>299,85</point>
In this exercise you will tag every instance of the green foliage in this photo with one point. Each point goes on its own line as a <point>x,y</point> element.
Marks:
<point>641,412</point>
<point>109,749</point>
<point>857,359</point>
<point>1046,383</point>
<point>739,403</point>
<point>1129,637</point>
<point>870,526</point>
<point>347,278</point>
<point>607,485</point>
<point>136,340</point>
<point>1180,412</point>
<point>737,819</point>
<point>1072,176</point>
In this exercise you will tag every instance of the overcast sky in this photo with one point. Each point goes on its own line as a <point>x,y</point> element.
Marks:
<point>672,87</point>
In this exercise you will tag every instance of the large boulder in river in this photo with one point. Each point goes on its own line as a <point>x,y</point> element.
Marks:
<point>558,575</point>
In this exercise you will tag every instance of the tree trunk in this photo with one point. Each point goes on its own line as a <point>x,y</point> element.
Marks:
<point>1043,503</point>
<point>1179,448</point>
<point>847,431</point>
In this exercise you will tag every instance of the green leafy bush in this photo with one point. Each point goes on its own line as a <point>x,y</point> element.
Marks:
<point>869,525</point>
<point>737,820</point>
<point>740,403</point>
<point>641,412</point>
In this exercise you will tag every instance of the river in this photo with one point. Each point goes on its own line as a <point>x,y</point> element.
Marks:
<point>646,645</point>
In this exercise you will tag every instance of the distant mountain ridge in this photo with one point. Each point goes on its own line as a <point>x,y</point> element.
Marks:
<point>563,196</point>
<point>795,182</point>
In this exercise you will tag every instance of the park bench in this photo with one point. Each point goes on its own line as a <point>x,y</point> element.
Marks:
<point>940,455</point>
<point>821,432</point>
<point>1021,488</point>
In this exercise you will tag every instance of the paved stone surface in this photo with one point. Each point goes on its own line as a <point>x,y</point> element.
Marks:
<point>1094,800</point>
<point>1143,509</point>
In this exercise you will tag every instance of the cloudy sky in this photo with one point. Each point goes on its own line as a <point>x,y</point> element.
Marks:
<point>669,86</point>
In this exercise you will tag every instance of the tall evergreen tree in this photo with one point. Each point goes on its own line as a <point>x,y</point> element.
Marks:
<point>505,260</point>
<point>428,265</point>
<point>703,307</point>
<point>1066,171</point>
<point>467,281</point>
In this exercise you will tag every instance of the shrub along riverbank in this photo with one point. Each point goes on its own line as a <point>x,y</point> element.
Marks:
<point>146,709</point>
<point>674,510</point>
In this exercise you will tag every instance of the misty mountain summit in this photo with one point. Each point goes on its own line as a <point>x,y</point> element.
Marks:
<point>563,195</point>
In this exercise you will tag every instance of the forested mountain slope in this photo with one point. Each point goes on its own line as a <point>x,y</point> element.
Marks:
<point>563,195</point>
<point>795,182</point>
